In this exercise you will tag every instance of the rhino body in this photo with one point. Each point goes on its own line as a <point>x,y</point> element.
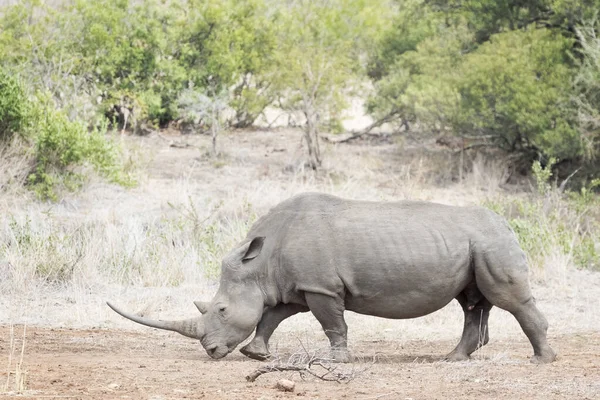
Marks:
<point>320,253</point>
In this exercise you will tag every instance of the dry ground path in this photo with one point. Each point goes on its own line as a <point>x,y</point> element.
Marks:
<point>108,364</point>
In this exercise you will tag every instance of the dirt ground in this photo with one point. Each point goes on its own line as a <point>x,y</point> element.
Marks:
<point>103,364</point>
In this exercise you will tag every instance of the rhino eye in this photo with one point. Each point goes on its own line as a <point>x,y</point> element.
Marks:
<point>222,309</point>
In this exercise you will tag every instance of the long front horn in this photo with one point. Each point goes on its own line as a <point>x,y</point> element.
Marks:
<point>193,327</point>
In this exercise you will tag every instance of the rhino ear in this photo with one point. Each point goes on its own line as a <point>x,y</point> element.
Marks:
<point>252,250</point>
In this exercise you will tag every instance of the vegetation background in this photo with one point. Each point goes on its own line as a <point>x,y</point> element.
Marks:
<point>139,140</point>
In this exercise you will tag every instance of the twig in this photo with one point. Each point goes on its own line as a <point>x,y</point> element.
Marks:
<point>270,125</point>
<point>563,185</point>
<point>21,375</point>
<point>272,368</point>
<point>305,362</point>
<point>11,349</point>
<point>479,137</point>
<point>366,131</point>
<point>475,146</point>
<point>382,395</point>
<point>303,368</point>
<point>178,144</point>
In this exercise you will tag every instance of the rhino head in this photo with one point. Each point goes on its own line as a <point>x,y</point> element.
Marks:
<point>235,310</point>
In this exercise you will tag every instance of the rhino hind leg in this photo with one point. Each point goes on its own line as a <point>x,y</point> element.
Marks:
<point>329,311</point>
<point>475,331</point>
<point>502,277</point>
<point>535,326</point>
<point>258,348</point>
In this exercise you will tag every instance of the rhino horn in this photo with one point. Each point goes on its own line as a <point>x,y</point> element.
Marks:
<point>193,327</point>
<point>202,306</point>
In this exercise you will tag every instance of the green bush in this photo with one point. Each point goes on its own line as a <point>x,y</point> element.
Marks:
<point>123,47</point>
<point>587,84</point>
<point>420,85</point>
<point>522,76</point>
<point>14,107</point>
<point>516,88</point>
<point>62,145</point>
<point>542,175</point>
<point>488,17</point>
<point>548,228</point>
<point>121,54</point>
<point>551,222</point>
<point>228,45</point>
<point>413,24</point>
<point>37,42</point>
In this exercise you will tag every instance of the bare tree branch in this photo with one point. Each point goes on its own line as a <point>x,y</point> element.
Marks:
<point>563,185</point>
<point>366,131</point>
<point>314,363</point>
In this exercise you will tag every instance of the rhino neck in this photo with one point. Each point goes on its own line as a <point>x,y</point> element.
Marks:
<point>276,224</point>
<point>269,287</point>
<point>271,295</point>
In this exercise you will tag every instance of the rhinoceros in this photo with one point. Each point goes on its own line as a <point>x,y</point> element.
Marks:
<point>324,254</point>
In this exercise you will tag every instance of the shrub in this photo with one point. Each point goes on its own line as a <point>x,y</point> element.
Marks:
<point>549,228</point>
<point>522,76</point>
<point>516,89</point>
<point>62,145</point>
<point>228,45</point>
<point>122,46</point>
<point>542,175</point>
<point>421,83</point>
<point>14,107</point>
<point>587,84</point>
<point>552,223</point>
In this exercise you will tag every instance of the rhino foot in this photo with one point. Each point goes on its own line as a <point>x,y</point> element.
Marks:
<point>254,352</point>
<point>543,358</point>
<point>340,356</point>
<point>455,356</point>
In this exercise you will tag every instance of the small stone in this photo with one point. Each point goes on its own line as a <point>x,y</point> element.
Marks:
<point>285,385</point>
<point>114,386</point>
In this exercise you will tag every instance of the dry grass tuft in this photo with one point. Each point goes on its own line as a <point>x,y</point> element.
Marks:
<point>15,165</point>
<point>487,174</point>
<point>19,375</point>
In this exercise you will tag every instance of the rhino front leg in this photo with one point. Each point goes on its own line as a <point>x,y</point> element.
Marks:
<point>258,348</point>
<point>475,331</point>
<point>329,311</point>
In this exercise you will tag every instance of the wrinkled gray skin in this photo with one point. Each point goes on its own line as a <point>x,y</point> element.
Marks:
<point>320,253</point>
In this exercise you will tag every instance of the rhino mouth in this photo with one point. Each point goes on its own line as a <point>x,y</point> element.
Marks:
<point>216,351</point>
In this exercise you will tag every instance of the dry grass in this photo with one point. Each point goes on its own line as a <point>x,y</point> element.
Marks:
<point>157,247</point>
<point>15,165</point>
<point>16,375</point>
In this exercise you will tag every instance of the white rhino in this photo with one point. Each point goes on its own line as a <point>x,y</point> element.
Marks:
<point>320,253</point>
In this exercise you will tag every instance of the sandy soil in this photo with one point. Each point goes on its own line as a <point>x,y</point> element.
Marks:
<point>90,364</point>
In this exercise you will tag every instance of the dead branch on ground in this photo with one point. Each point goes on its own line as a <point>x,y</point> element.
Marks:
<point>313,363</point>
<point>178,144</point>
